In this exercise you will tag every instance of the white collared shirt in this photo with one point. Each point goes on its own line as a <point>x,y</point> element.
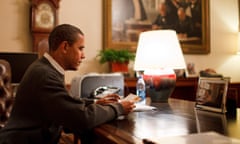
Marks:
<point>54,63</point>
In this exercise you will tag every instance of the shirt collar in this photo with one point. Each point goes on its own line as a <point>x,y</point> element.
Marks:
<point>54,63</point>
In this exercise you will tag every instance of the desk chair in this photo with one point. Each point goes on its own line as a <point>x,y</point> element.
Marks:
<point>6,97</point>
<point>82,86</point>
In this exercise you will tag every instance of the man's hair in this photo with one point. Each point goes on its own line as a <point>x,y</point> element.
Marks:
<point>63,32</point>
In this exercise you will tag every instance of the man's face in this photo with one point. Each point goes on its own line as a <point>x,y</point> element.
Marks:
<point>193,1</point>
<point>181,14</point>
<point>75,54</point>
<point>162,9</point>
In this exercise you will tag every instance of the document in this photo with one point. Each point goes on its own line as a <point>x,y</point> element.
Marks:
<point>142,107</point>
<point>139,107</point>
<point>132,97</point>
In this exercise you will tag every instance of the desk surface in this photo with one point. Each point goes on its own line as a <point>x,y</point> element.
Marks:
<point>175,118</point>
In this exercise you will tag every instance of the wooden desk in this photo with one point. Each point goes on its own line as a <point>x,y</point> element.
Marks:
<point>186,89</point>
<point>178,117</point>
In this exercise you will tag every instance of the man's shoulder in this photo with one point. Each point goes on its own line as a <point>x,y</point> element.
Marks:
<point>41,66</point>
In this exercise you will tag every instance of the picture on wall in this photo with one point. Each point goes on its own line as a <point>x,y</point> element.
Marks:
<point>124,20</point>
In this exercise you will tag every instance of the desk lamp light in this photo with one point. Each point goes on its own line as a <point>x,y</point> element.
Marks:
<point>158,55</point>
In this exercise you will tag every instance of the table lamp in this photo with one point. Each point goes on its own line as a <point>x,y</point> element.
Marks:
<point>158,55</point>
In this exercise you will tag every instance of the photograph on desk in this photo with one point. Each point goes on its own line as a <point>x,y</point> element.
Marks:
<point>211,94</point>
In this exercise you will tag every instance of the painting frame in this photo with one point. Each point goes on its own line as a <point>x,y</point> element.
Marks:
<point>239,15</point>
<point>203,47</point>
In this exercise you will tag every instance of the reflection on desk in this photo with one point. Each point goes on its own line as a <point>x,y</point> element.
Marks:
<point>210,137</point>
<point>175,118</point>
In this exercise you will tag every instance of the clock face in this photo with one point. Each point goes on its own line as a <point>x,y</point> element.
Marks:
<point>44,16</point>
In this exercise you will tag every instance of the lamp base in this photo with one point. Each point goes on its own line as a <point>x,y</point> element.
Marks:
<point>160,87</point>
<point>161,95</point>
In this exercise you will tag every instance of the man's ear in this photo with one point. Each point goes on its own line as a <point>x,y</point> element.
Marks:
<point>64,46</point>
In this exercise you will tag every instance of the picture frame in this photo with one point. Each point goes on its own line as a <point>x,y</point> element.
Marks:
<point>238,15</point>
<point>121,30</point>
<point>191,70</point>
<point>211,94</point>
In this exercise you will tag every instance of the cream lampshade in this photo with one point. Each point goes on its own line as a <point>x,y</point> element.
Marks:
<point>158,55</point>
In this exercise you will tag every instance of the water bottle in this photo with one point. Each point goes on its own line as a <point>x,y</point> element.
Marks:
<point>141,90</point>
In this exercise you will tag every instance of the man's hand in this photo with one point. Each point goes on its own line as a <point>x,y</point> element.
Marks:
<point>128,106</point>
<point>111,98</point>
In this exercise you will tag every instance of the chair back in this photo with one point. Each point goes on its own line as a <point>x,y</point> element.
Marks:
<point>6,96</point>
<point>84,86</point>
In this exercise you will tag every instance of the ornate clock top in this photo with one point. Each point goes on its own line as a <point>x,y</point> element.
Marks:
<point>44,17</point>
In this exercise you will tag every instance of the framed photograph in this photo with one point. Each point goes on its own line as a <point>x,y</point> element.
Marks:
<point>211,94</point>
<point>191,70</point>
<point>124,20</point>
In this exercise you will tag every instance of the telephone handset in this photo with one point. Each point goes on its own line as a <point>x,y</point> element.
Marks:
<point>103,91</point>
<point>209,73</point>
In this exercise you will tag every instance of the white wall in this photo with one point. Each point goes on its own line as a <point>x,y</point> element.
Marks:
<point>224,29</point>
<point>87,14</point>
<point>14,27</point>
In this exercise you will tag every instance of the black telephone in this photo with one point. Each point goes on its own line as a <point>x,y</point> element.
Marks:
<point>102,91</point>
<point>205,73</point>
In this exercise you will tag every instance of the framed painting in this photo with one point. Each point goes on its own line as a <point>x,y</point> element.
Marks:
<point>124,20</point>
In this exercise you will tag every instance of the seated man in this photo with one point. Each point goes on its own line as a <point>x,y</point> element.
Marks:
<point>164,20</point>
<point>184,25</point>
<point>43,106</point>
